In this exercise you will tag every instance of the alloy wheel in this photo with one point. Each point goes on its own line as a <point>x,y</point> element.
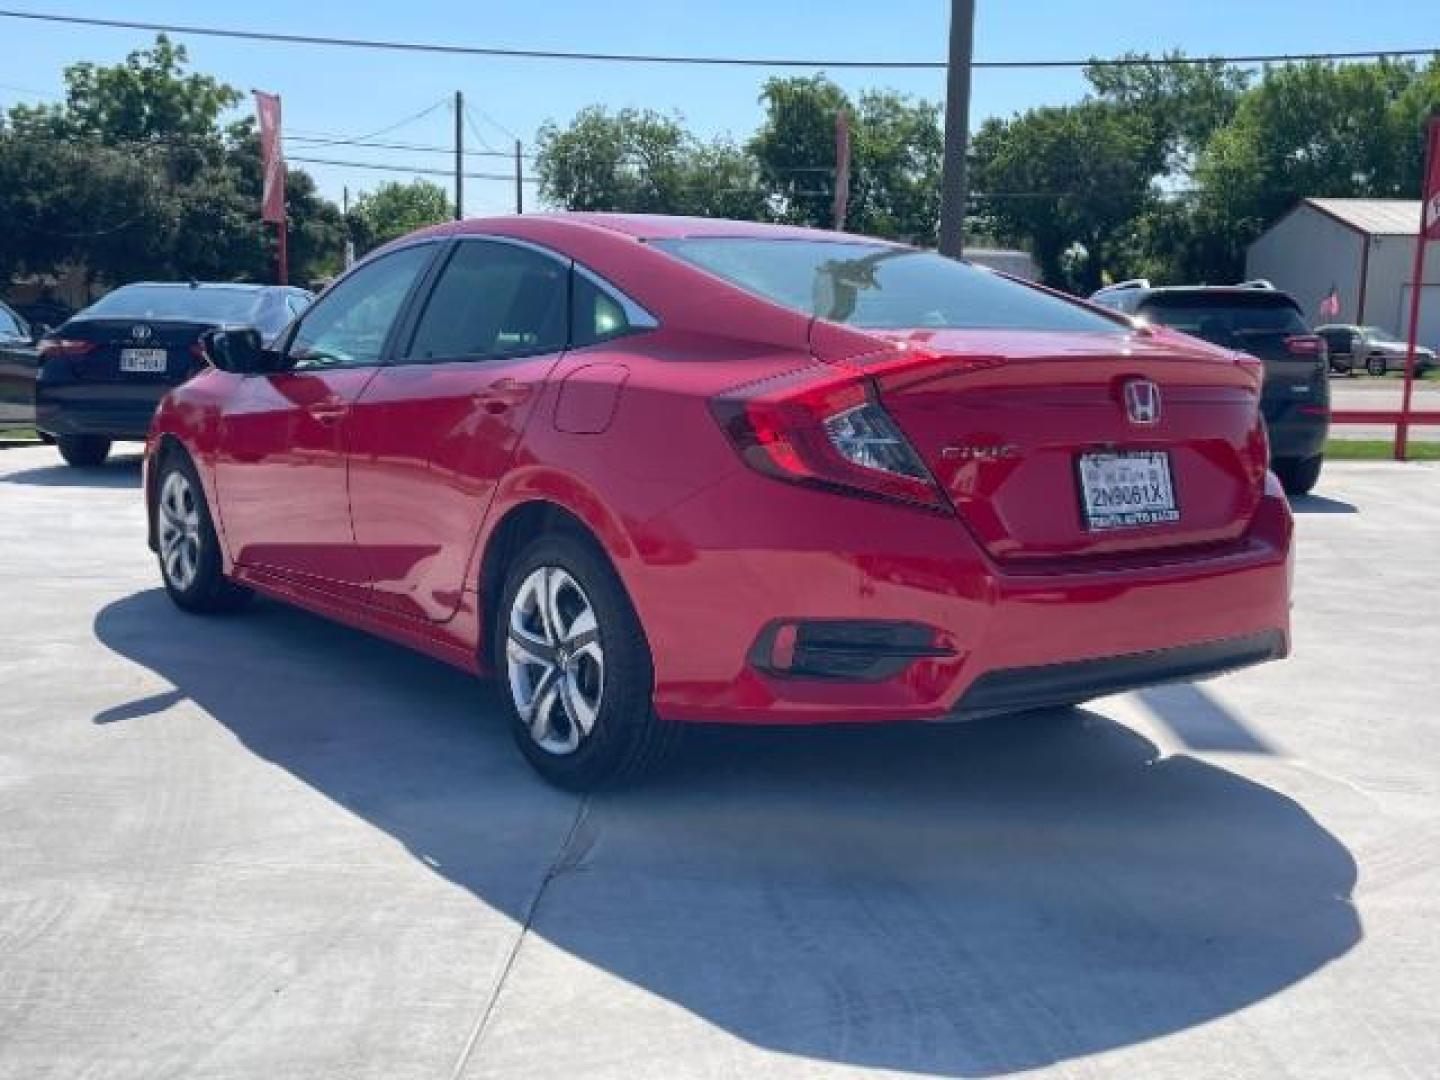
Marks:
<point>555,660</point>
<point>179,531</point>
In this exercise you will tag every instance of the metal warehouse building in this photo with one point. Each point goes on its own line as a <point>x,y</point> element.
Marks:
<point>1362,248</point>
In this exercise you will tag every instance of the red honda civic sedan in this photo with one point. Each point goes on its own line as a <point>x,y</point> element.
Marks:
<point>653,470</point>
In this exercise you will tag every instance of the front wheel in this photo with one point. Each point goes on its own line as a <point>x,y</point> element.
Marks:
<point>577,669</point>
<point>189,550</point>
<point>1299,475</point>
<point>83,451</point>
<point>1376,365</point>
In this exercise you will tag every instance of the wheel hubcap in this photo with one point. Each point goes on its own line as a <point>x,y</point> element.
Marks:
<point>554,660</point>
<point>179,531</point>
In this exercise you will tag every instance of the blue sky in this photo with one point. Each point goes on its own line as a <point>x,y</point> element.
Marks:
<point>346,92</point>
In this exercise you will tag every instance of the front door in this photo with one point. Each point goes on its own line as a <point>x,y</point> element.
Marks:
<point>281,469</point>
<point>436,429</point>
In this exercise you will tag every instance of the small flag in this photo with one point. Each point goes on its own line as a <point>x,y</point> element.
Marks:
<point>1330,306</point>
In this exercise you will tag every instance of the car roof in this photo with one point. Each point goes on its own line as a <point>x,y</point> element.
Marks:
<point>654,227</point>
<point>240,286</point>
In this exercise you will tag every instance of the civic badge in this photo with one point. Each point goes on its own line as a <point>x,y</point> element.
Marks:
<point>141,332</point>
<point>1142,402</point>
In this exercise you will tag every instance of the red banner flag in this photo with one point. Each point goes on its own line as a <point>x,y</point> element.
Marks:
<point>272,159</point>
<point>1431,192</point>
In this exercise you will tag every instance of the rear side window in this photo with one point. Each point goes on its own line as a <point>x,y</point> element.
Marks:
<point>880,287</point>
<point>595,315</point>
<point>1226,319</point>
<point>493,300</point>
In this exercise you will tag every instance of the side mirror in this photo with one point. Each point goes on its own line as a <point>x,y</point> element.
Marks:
<point>241,352</point>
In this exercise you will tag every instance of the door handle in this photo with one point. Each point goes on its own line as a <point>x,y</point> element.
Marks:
<point>328,411</point>
<point>503,393</point>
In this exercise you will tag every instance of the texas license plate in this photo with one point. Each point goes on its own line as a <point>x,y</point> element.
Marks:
<point>148,360</point>
<point>1126,489</point>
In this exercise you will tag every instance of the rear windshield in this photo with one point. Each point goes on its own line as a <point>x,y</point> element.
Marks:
<point>1224,318</point>
<point>882,288</point>
<point>176,302</point>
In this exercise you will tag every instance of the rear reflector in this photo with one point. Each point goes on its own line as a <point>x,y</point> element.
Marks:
<point>858,650</point>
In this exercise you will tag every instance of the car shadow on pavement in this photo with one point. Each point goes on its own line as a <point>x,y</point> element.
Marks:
<point>121,471</point>
<point>973,899</point>
<point>1321,504</point>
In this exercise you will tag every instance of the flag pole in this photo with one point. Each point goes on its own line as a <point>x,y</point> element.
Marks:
<point>1417,276</point>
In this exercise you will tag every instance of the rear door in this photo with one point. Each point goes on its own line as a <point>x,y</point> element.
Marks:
<point>281,471</point>
<point>436,429</point>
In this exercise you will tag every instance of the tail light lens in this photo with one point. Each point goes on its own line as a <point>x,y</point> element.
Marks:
<point>65,347</point>
<point>1306,345</point>
<point>824,429</point>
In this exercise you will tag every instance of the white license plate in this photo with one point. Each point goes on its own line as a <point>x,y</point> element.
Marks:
<point>1125,489</point>
<point>151,360</point>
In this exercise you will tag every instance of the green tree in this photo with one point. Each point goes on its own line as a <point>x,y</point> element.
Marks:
<point>896,144</point>
<point>394,209</point>
<point>1056,177</point>
<point>135,175</point>
<point>1310,129</point>
<point>641,161</point>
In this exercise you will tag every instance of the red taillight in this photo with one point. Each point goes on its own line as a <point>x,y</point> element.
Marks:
<point>51,347</point>
<point>1305,345</point>
<point>823,428</point>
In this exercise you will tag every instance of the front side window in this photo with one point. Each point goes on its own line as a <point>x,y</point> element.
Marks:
<point>493,300</point>
<point>880,287</point>
<point>348,327</point>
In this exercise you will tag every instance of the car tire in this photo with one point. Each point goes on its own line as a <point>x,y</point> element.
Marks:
<point>1299,475</point>
<point>83,451</point>
<point>1376,365</point>
<point>570,651</point>
<point>188,548</point>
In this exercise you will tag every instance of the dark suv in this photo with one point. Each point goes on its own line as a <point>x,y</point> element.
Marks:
<point>1260,320</point>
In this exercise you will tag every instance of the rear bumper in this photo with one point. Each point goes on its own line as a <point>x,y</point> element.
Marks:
<point>96,409</point>
<point>1294,433</point>
<point>1003,640</point>
<point>1018,689</point>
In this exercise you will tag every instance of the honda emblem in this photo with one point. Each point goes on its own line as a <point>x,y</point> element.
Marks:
<point>1142,401</point>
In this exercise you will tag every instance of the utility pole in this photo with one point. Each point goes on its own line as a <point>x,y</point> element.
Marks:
<point>957,128</point>
<point>459,155</point>
<point>519,186</point>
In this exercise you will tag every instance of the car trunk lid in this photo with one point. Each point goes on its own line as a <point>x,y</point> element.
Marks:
<point>134,351</point>
<point>1003,419</point>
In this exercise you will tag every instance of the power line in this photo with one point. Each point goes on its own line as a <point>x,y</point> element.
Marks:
<point>313,141</point>
<point>728,61</point>
<point>414,170</point>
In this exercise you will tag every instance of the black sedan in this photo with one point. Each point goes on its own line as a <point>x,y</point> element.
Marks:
<point>19,358</point>
<point>103,372</point>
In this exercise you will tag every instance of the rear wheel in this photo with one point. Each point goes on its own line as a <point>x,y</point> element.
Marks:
<point>1375,365</point>
<point>1299,475</point>
<point>84,451</point>
<point>189,550</point>
<point>577,669</point>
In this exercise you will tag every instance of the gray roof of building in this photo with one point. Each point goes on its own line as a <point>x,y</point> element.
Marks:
<point>1379,217</point>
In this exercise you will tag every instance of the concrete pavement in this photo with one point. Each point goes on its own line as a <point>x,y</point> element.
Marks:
<point>266,846</point>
